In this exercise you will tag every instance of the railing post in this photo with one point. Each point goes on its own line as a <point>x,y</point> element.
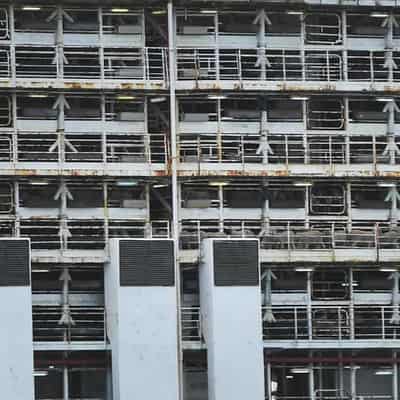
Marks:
<point>383,322</point>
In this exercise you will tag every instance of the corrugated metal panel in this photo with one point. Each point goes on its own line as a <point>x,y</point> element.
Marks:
<point>146,263</point>
<point>236,263</point>
<point>14,263</point>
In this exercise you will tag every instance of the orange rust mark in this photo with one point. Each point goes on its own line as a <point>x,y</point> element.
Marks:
<point>78,85</point>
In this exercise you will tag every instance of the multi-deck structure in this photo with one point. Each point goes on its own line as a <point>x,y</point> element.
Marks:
<point>275,121</point>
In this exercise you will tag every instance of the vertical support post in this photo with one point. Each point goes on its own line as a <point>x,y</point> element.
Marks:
<point>174,181</point>
<point>309,306</point>
<point>395,377</point>
<point>311,378</point>
<point>12,45</point>
<point>65,383</point>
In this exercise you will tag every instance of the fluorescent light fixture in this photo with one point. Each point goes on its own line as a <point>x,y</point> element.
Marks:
<point>123,97</point>
<point>293,12</point>
<point>304,269</point>
<point>208,11</point>
<point>218,183</point>
<point>378,15</point>
<point>160,185</point>
<point>31,8</point>
<point>384,99</point>
<point>289,376</point>
<point>300,370</point>
<point>299,98</point>
<point>345,284</point>
<point>387,269</point>
<point>159,12</point>
<point>158,99</point>
<point>127,182</point>
<point>38,95</point>
<point>119,10</point>
<point>384,372</point>
<point>40,373</point>
<point>39,182</point>
<point>386,184</point>
<point>40,270</point>
<point>217,97</point>
<point>303,184</point>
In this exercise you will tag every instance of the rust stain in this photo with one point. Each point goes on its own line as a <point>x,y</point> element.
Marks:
<point>79,85</point>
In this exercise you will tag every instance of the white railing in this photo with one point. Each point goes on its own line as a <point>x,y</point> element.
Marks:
<point>283,65</point>
<point>149,63</point>
<point>83,147</point>
<point>331,323</point>
<point>191,324</point>
<point>293,235</point>
<point>284,149</point>
<point>73,234</point>
<point>89,324</point>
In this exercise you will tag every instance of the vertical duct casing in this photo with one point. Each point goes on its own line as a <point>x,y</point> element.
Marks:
<point>230,302</point>
<point>16,342</point>
<point>141,306</point>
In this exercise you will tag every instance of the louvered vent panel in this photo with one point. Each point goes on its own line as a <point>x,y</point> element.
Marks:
<point>14,263</point>
<point>146,263</point>
<point>236,263</point>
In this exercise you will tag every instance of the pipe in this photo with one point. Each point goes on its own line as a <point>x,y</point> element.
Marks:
<point>174,184</point>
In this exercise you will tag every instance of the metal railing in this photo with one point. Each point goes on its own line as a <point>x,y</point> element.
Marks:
<point>331,322</point>
<point>283,65</point>
<point>291,236</point>
<point>191,324</point>
<point>87,324</point>
<point>73,234</point>
<point>83,147</point>
<point>285,149</point>
<point>149,63</point>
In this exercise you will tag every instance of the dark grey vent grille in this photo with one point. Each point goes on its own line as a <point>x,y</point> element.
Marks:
<point>236,263</point>
<point>146,263</point>
<point>14,263</point>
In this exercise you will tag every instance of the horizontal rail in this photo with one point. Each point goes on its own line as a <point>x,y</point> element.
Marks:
<point>285,149</point>
<point>294,235</point>
<point>331,322</point>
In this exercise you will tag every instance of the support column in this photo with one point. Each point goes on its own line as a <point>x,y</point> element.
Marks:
<point>16,341</point>
<point>230,303</point>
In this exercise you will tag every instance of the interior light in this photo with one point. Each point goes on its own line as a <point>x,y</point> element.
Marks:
<point>127,182</point>
<point>40,373</point>
<point>300,370</point>
<point>386,184</point>
<point>293,12</point>
<point>40,270</point>
<point>39,182</point>
<point>38,95</point>
<point>289,376</point>
<point>31,8</point>
<point>378,15</point>
<point>304,269</point>
<point>208,11</point>
<point>345,284</point>
<point>160,185</point>
<point>216,97</point>
<point>384,372</point>
<point>299,98</point>
<point>384,99</point>
<point>388,269</point>
<point>218,183</point>
<point>302,183</point>
<point>122,97</point>
<point>159,12</point>
<point>119,10</point>
<point>158,99</point>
